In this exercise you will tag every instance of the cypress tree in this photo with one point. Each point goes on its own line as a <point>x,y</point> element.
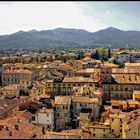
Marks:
<point>109,53</point>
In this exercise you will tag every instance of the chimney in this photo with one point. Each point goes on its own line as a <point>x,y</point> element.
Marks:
<point>129,78</point>
<point>16,127</point>
<point>10,133</point>
<point>43,130</point>
<point>7,128</point>
<point>18,120</point>
<point>34,135</point>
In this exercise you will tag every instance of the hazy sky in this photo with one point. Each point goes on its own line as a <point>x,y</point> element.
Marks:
<point>91,16</point>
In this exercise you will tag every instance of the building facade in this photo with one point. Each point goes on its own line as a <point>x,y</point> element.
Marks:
<point>14,76</point>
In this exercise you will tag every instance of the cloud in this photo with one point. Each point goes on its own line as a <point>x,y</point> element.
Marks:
<point>45,15</point>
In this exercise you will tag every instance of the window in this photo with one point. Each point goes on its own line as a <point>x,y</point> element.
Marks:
<point>112,130</point>
<point>112,120</point>
<point>57,114</point>
<point>33,118</point>
<point>134,132</point>
<point>121,130</point>
<point>66,107</point>
<point>93,134</point>
<point>126,89</point>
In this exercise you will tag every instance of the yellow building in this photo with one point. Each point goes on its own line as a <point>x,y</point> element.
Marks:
<point>132,104</point>
<point>14,76</point>
<point>99,130</point>
<point>116,121</point>
<point>136,95</point>
<point>84,119</point>
<point>119,104</point>
<point>65,87</point>
<point>124,104</point>
<point>10,89</point>
<point>36,90</point>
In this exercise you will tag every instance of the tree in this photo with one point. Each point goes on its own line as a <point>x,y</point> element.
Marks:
<point>109,53</point>
<point>80,55</point>
<point>96,55</point>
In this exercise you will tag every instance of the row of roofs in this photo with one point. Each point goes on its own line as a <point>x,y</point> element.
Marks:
<point>21,71</point>
<point>126,78</point>
<point>18,127</point>
<point>89,70</point>
<point>128,64</point>
<point>68,134</point>
<point>66,100</point>
<point>125,71</point>
<point>132,118</point>
<point>6,105</point>
<point>123,102</point>
<point>10,87</point>
<point>77,79</point>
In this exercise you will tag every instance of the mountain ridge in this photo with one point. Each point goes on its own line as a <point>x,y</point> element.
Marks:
<point>68,37</point>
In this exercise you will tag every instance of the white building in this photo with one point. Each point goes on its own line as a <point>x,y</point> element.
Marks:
<point>135,57</point>
<point>126,57</point>
<point>45,118</point>
<point>123,57</point>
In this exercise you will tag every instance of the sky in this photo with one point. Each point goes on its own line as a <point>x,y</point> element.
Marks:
<point>91,16</point>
